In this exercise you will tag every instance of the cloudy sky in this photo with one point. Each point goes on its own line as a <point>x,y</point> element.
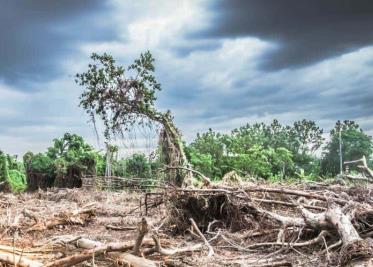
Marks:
<point>221,63</point>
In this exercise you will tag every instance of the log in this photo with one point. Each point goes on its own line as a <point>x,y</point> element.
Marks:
<point>343,224</point>
<point>313,241</point>
<point>314,220</point>
<point>235,193</point>
<point>363,167</point>
<point>131,260</point>
<point>170,252</point>
<point>77,217</point>
<point>353,246</point>
<point>16,260</point>
<point>95,248</point>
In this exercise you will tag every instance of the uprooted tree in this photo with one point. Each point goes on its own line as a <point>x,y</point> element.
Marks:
<point>123,97</point>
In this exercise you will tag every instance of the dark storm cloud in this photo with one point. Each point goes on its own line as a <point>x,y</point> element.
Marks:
<point>303,31</point>
<point>37,35</point>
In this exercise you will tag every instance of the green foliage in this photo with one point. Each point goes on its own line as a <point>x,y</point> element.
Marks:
<point>207,154</point>
<point>71,150</point>
<point>259,149</point>
<point>17,181</point>
<point>69,154</point>
<point>38,163</point>
<point>203,162</point>
<point>12,172</point>
<point>355,145</point>
<point>138,166</point>
<point>121,99</point>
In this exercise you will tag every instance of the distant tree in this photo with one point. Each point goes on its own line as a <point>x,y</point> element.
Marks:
<point>138,166</point>
<point>355,144</point>
<point>63,164</point>
<point>259,149</point>
<point>305,136</point>
<point>206,153</point>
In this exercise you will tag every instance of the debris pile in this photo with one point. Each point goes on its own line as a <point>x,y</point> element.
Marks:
<point>253,224</point>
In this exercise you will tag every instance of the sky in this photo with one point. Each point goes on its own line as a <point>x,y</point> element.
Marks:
<point>221,64</point>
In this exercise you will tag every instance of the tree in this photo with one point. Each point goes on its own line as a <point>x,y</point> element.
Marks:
<point>305,137</point>
<point>355,145</point>
<point>123,97</point>
<point>206,153</point>
<point>138,166</point>
<point>63,164</point>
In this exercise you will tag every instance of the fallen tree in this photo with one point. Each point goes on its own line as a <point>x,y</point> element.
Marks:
<point>237,209</point>
<point>363,167</point>
<point>122,100</point>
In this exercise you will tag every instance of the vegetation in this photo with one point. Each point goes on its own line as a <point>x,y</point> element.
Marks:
<point>355,145</point>
<point>276,152</point>
<point>258,150</point>
<point>269,151</point>
<point>63,164</point>
<point>125,96</point>
<point>12,172</point>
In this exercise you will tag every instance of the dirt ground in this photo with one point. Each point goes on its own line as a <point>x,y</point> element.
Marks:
<point>113,217</point>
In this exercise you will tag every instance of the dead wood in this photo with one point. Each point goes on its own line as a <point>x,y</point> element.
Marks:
<point>353,246</point>
<point>211,250</point>
<point>120,228</point>
<point>142,231</point>
<point>247,225</point>
<point>313,241</point>
<point>205,179</point>
<point>18,260</point>
<point>364,167</point>
<point>289,204</point>
<point>95,249</point>
<point>79,217</point>
<point>173,251</point>
<point>127,259</point>
<point>296,193</point>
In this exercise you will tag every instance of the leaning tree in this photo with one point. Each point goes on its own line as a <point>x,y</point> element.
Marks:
<point>124,97</point>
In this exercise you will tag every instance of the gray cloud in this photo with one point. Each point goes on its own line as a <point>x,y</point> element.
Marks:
<point>304,32</point>
<point>37,35</point>
<point>210,78</point>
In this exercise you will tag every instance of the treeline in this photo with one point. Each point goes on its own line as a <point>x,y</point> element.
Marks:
<point>270,151</point>
<point>275,151</point>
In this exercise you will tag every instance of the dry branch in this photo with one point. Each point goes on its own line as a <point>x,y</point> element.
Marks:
<point>211,250</point>
<point>313,241</point>
<point>171,252</point>
<point>79,217</point>
<point>95,248</point>
<point>17,260</point>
